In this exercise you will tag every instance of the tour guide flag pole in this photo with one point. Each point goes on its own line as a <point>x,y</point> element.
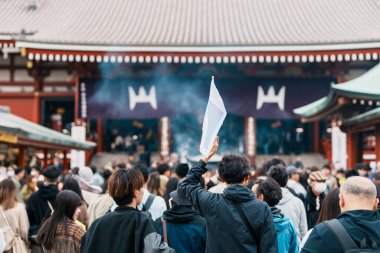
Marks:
<point>213,119</point>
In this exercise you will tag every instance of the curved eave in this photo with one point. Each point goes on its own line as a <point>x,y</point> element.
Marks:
<point>192,55</point>
<point>320,108</point>
<point>24,141</point>
<point>366,86</point>
<point>366,118</point>
<point>358,94</point>
<point>200,48</point>
<point>39,140</point>
<point>315,107</point>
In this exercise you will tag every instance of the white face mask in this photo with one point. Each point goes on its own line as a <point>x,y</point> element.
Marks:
<point>320,187</point>
<point>11,173</point>
<point>34,173</point>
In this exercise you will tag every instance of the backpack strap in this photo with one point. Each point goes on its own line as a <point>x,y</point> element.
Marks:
<point>149,202</point>
<point>164,230</point>
<point>249,225</point>
<point>6,221</point>
<point>50,206</point>
<point>341,234</point>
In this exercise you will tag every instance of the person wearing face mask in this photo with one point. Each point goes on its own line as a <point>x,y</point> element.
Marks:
<point>315,194</point>
<point>363,169</point>
<point>331,181</point>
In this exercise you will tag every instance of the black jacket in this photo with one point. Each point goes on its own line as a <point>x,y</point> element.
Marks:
<point>312,212</point>
<point>226,229</point>
<point>361,225</point>
<point>124,230</point>
<point>186,229</point>
<point>37,207</point>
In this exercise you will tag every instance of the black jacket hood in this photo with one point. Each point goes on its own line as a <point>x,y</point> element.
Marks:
<point>180,214</point>
<point>361,225</point>
<point>48,192</point>
<point>238,193</point>
<point>364,219</point>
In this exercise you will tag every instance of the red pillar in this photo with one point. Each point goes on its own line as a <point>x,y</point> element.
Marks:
<point>99,129</point>
<point>352,149</point>
<point>52,156</point>
<point>377,148</point>
<point>21,160</point>
<point>64,161</point>
<point>76,101</point>
<point>38,84</point>
<point>316,138</point>
<point>45,158</point>
<point>37,108</point>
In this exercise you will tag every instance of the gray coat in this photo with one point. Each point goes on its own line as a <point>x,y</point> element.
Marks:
<point>293,207</point>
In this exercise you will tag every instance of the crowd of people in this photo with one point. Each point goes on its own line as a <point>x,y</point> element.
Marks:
<point>171,208</point>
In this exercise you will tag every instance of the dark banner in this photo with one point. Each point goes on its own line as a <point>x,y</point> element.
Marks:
<point>144,98</point>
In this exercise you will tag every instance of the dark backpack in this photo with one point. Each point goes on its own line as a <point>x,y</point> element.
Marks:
<point>345,240</point>
<point>147,205</point>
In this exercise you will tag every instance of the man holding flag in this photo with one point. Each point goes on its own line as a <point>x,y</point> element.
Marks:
<point>236,220</point>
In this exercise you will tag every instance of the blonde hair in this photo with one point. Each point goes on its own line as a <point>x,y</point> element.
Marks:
<point>8,197</point>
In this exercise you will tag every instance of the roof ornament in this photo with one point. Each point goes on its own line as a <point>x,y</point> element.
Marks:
<point>33,4</point>
<point>21,35</point>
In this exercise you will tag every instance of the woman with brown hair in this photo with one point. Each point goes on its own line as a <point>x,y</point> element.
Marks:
<point>330,210</point>
<point>13,216</point>
<point>59,233</point>
<point>154,183</point>
<point>330,207</point>
<point>73,185</point>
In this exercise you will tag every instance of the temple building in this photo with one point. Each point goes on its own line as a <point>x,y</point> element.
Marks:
<point>353,107</point>
<point>138,72</point>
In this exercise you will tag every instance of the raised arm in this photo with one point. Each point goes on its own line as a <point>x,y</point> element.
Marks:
<point>191,184</point>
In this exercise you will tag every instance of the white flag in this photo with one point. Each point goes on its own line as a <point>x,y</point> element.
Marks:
<point>213,119</point>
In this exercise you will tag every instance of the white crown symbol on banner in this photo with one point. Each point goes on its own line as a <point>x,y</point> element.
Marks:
<point>271,97</point>
<point>142,97</point>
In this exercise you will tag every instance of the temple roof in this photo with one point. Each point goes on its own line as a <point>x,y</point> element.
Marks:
<point>192,26</point>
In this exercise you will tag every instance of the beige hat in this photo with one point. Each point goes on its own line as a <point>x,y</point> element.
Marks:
<point>317,176</point>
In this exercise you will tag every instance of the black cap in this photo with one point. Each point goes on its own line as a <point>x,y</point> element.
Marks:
<point>51,172</point>
<point>291,170</point>
<point>17,170</point>
<point>178,196</point>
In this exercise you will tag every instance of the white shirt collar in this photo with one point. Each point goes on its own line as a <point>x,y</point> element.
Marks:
<point>144,199</point>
